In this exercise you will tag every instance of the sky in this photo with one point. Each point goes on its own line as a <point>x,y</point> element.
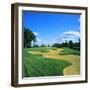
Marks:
<point>52,28</point>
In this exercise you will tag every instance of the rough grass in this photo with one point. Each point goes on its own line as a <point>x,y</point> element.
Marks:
<point>37,65</point>
<point>68,51</point>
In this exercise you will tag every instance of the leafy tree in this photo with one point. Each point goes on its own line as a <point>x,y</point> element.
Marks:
<point>42,45</point>
<point>56,45</point>
<point>28,37</point>
<point>79,42</point>
<point>70,44</point>
<point>79,45</point>
<point>48,45</point>
<point>66,44</point>
<point>36,45</point>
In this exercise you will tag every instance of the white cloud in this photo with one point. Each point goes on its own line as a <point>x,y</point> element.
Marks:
<point>44,41</point>
<point>69,35</point>
<point>35,33</point>
<point>72,33</point>
<point>65,36</point>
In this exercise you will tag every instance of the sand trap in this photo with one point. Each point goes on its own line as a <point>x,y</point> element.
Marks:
<point>74,69</point>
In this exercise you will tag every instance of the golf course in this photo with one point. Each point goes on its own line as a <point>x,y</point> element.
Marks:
<point>51,44</point>
<point>51,61</point>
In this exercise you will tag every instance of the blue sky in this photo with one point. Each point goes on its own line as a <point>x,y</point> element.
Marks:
<point>52,28</point>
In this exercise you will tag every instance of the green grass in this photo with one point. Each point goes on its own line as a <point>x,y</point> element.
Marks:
<point>37,65</point>
<point>68,51</point>
<point>41,49</point>
<point>54,48</point>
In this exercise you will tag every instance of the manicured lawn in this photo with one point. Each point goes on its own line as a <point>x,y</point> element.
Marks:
<point>68,51</point>
<point>37,65</point>
<point>41,49</point>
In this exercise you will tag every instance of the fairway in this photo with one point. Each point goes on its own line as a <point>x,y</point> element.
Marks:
<point>51,61</point>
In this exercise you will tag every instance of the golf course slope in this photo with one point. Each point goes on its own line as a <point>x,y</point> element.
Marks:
<point>46,61</point>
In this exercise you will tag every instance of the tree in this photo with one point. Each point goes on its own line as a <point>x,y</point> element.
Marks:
<point>79,42</point>
<point>28,37</point>
<point>66,44</point>
<point>70,44</point>
<point>42,45</point>
<point>56,45</point>
<point>79,45</point>
<point>48,45</point>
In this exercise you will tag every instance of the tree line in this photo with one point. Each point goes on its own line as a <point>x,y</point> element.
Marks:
<point>30,37</point>
<point>69,44</point>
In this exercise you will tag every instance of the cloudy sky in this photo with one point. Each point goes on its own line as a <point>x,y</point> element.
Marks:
<point>52,28</point>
